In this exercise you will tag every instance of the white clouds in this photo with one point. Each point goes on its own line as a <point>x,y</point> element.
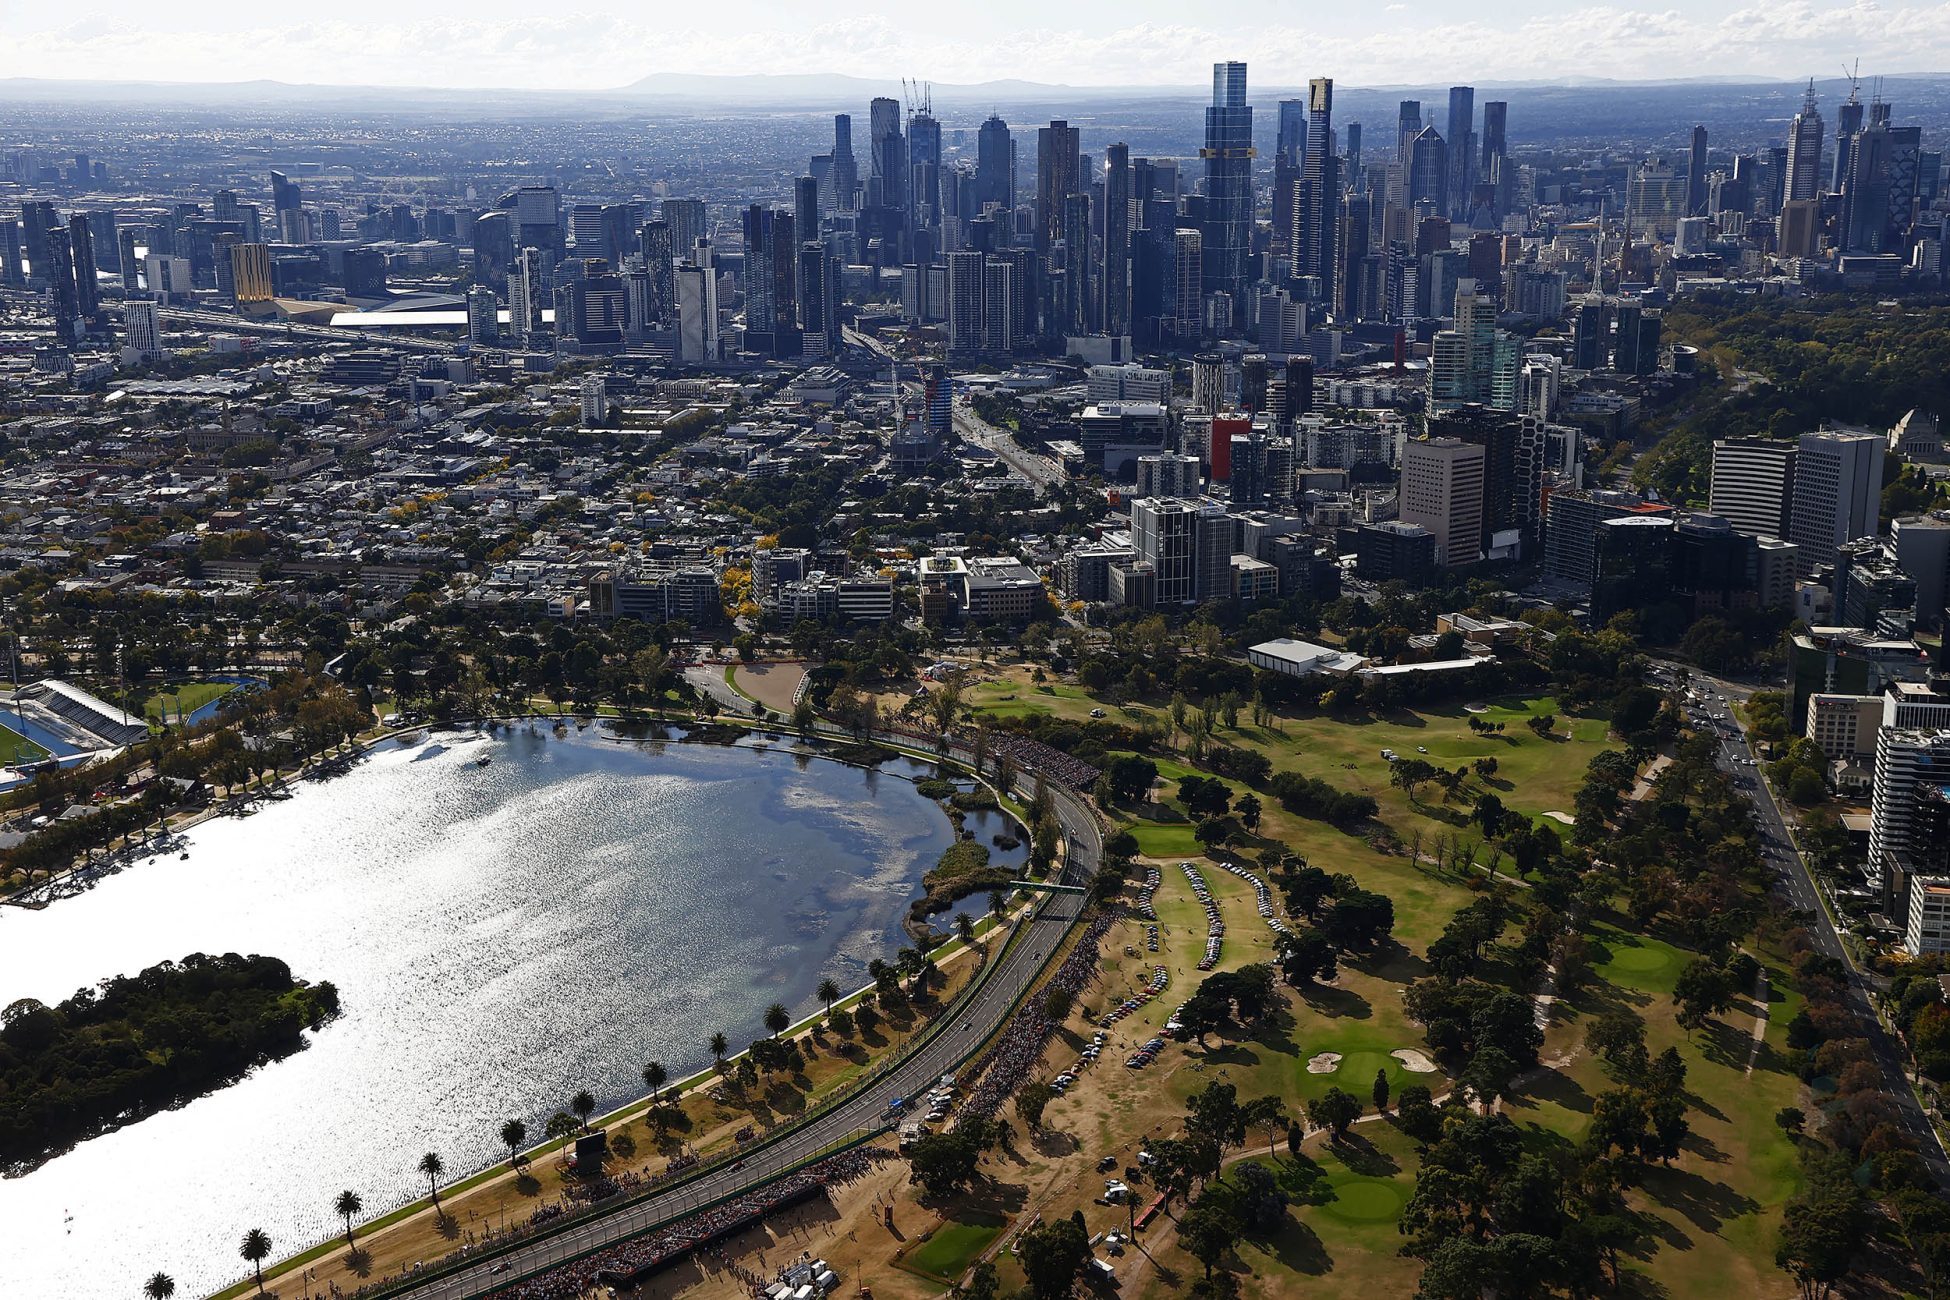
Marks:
<point>1414,43</point>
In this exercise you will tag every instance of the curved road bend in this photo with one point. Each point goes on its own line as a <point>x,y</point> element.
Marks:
<point>1797,884</point>
<point>940,1053</point>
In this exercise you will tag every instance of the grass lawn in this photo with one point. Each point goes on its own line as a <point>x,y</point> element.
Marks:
<point>185,698</point>
<point>1713,1216</point>
<point>16,748</point>
<point>954,1247</point>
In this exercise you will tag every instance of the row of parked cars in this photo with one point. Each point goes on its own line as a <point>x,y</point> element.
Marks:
<point>1215,926</point>
<point>1061,1083</point>
<point>1147,892</point>
<point>1262,896</point>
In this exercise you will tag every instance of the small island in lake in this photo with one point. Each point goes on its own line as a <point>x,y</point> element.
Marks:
<point>137,1044</point>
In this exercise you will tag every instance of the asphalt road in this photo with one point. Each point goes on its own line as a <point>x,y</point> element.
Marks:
<point>1040,471</point>
<point>943,1051</point>
<point>1796,882</point>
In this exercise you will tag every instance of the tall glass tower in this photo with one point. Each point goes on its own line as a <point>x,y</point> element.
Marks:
<point>1228,156</point>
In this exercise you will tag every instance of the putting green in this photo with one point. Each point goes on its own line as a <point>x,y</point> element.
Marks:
<point>1366,1200</point>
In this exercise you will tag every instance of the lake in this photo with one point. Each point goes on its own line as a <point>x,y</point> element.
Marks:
<point>501,937</point>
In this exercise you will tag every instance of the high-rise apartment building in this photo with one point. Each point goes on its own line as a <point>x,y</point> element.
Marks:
<point>1114,280</point>
<point>250,274</point>
<point>1320,188</point>
<point>1229,199</point>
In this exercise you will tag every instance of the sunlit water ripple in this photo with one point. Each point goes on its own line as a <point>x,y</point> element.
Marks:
<point>501,937</point>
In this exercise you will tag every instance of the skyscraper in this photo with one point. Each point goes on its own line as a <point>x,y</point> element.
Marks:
<point>288,208</point>
<point>1462,149</point>
<point>845,172</point>
<point>1848,121</point>
<point>1495,167</point>
<point>995,166</point>
<point>1115,280</point>
<point>924,169</point>
<point>59,278</point>
<point>887,153</point>
<point>771,279</point>
<point>1292,138</point>
<point>1059,167</point>
<point>87,285</point>
<point>1428,171</point>
<point>1696,175</point>
<point>1320,188</point>
<point>1228,155</point>
<point>10,270</point>
<point>1804,151</point>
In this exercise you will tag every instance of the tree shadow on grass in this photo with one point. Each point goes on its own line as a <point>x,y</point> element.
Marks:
<point>526,1184</point>
<point>1303,1180</point>
<point>1706,1204</point>
<point>1724,1045</point>
<point>1298,1247</point>
<point>1336,1003</point>
<point>1365,1158</point>
<point>1552,1086</point>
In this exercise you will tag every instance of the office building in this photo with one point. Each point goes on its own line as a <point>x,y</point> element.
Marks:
<point>1753,484</point>
<point>1803,181</point>
<point>1461,132</point>
<point>1570,541</point>
<point>1630,565</point>
<point>1394,552</point>
<point>1059,173</point>
<point>1442,491</point>
<point>1837,492</point>
<point>995,167</point>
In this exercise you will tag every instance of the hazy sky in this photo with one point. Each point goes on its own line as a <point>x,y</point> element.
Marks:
<point>518,43</point>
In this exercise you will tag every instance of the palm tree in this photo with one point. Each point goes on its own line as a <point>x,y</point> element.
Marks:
<point>160,1287</point>
<point>513,1134</point>
<point>432,1166</point>
<point>997,902</point>
<point>777,1018</point>
<point>829,993</point>
<point>256,1248</point>
<point>719,1046</point>
<point>584,1106</point>
<point>654,1077</point>
<point>965,927</point>
<point>347,1206</point>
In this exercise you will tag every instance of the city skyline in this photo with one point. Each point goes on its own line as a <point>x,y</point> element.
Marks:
<point>499,45</point>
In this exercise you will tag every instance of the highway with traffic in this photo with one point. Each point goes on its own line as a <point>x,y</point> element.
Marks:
<point>949,1045</point>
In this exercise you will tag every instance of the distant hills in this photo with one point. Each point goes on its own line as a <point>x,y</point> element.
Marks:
<point>1738,110</point>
